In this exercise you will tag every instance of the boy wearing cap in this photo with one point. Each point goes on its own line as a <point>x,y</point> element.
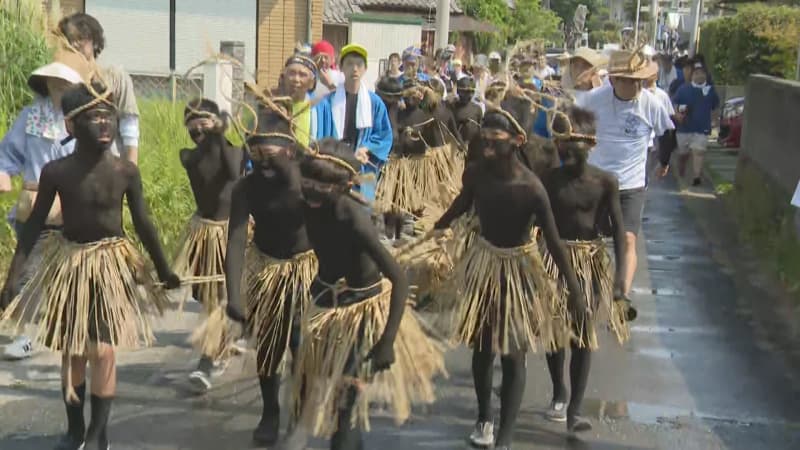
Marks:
<point>627,115</point>
<point>356,116</point>
<point>696,102</point>
<point>34,139</point>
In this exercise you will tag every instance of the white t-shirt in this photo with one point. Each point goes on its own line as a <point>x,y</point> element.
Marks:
<point>337,77</point>
<point>623,132</point>
<point>663,97</point>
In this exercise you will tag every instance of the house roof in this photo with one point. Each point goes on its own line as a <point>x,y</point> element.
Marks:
<point>425,5</point>
<point>336,12</point>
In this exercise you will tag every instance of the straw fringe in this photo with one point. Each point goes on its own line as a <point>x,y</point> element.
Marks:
<point>273,285</point>
<point>411,183</point>
<point>506,292</point>
<point>338,338</point>
<point>82,293</point>
<point>594,271</point>
<point>202,255</point>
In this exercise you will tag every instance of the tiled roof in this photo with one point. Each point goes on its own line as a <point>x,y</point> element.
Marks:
<point>426,5</point>
<point>337,11</point>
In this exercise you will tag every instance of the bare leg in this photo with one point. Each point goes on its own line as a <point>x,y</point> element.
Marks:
<point>632,260</point>
<point>683,160</point>
<point>555,365</point>
<point>697,163</point>
<point>482,371</point>
<point>73,370</point>
<point>104,387</point>
<point>579,366</point>
<point>268,429</point>
<point>514,374</point>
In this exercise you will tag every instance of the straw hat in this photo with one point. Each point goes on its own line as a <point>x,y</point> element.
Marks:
<point>627,64</point>
<point>38,79</point>
<point>593,57</point>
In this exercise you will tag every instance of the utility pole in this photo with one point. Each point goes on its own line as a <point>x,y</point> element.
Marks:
<point>697,13</point>
<point>654,13</point>
<point>173,82</point>
<point>442,24</point>
<point>636,26</point>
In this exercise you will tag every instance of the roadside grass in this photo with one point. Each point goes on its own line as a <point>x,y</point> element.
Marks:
<point>767,222</point>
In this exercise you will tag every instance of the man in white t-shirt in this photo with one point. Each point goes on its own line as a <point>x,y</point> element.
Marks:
<point>627,115</point>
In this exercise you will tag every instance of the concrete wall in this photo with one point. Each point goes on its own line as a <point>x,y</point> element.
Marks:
<point>771,135</point>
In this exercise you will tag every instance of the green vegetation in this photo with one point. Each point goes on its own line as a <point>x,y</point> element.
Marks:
<point>527,21</point>
<point>23,48</point>
<point>766,220</point>
<point>757,39</point>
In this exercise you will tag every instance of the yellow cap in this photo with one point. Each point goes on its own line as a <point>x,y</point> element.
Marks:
<point>353,48</point>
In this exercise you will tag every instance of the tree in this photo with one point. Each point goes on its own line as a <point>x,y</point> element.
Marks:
<point>599,25</point>
<point>528,20</point>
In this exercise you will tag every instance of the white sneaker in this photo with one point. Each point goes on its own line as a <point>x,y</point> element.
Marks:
<point>239,346</point>
<point>483,435</point>
<point>557,412</point>
<point>200,381</point>
<point>219,368</point>
<point>21,348</point>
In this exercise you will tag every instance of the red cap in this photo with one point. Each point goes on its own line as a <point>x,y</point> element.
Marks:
<point>326,48</point>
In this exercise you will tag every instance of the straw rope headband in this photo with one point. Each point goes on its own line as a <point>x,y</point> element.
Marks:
<point>517,127</point>
<point>314,153</point>
<point>98,100</point>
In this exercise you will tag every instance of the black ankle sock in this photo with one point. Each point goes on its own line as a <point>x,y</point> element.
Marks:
<point>76,424</point>
<point>482,371</point>
<point>205,365</point>
<point>579,367</point>
<point>347,437</point>
<point>555,365</point>
<point>270,387</point>
<point>101,411</point>
<point>514,376</point>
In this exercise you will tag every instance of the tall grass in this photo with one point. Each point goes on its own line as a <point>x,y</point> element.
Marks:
<point>23,48</point>
<point>166,187</point>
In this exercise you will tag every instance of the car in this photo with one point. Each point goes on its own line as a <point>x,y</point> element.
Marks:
<point>731,120</point>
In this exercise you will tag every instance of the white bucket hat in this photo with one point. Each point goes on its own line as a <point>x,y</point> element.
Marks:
<point>38,79</point>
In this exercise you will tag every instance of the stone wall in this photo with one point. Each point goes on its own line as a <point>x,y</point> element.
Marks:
<point>771,135</point>
<point>767,173</point>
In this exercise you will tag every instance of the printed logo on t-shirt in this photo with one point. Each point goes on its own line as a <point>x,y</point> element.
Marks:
<point>635,127</point>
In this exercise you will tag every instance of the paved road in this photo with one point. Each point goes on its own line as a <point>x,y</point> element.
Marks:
<point>699,373</point>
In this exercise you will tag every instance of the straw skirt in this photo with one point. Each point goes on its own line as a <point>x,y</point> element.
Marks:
<point>333,358</point>
<point>277,296</point>
<point>88,293</point>
<point>409,184</point>
<point>505,298</point>
<point>594,271</point>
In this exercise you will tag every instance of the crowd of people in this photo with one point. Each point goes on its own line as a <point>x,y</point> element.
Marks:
<point>483,195</point>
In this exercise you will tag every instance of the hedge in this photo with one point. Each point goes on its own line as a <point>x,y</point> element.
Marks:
<point>757,39</point>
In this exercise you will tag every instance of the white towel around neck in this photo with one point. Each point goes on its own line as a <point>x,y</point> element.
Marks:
<point>363,109</point>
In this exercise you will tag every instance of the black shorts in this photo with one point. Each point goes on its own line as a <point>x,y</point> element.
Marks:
<point>632,203</point>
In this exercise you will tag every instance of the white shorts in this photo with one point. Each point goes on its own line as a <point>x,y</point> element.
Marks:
<point>687,142</point>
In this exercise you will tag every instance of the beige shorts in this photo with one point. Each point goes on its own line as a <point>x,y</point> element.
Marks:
<point>687,142</point>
